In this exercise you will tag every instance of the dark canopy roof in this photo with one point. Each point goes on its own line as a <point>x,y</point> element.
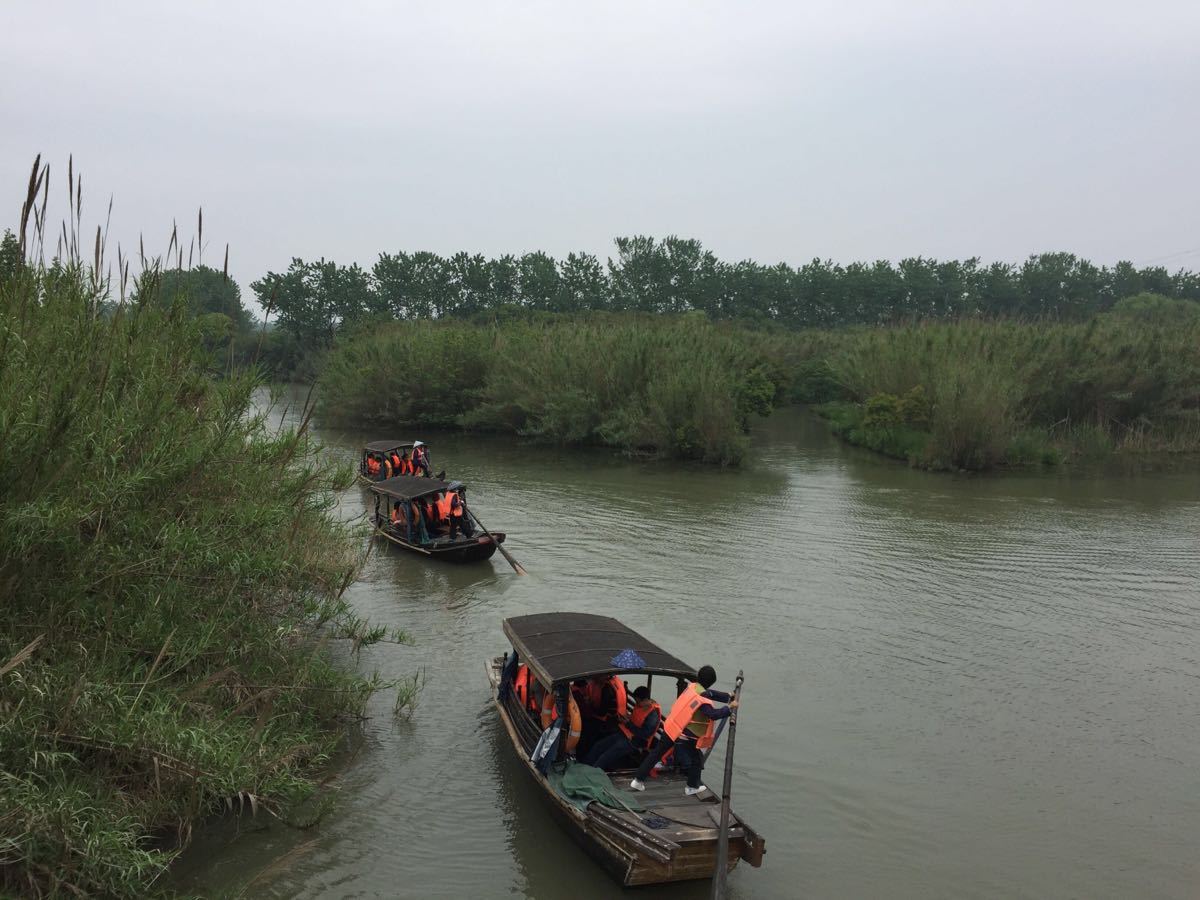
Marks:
<point>405,487</point>
<point>563,646</point>
<point>384,446</point>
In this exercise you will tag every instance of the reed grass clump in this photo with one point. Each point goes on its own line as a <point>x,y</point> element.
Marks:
<point>171,573</point>
<point>675,387</point>
<point>1009,393</point>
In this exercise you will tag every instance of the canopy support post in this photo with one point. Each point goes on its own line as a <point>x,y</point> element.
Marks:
<point>721,868</point>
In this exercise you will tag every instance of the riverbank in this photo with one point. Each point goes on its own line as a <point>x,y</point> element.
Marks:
<point>972,394</point>
<point>980,394</point>
<point>171,575</point>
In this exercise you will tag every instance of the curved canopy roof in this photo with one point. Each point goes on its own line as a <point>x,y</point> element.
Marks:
<point>405,487</point>
<point>384,446</point>
<point>563,646</point>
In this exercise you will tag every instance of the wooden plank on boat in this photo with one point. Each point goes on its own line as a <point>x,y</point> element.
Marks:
<point>657,849</point>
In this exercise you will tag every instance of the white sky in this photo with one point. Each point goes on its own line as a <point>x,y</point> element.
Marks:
<point>772,131</point>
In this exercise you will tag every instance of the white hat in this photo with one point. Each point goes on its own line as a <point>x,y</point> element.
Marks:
<point>418,444</point>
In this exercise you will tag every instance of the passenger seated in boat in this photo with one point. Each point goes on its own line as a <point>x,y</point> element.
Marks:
<point>429,510</point>
<point>420,534</point>
<point>604,700</point>
<point>690,728</point>
<point>635,734</point>
<point>406,465</point>
<point>373,466</point>
<point>400,520</point>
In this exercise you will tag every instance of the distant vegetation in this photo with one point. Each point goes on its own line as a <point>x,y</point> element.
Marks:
<point>976,394</point>
<point>314,299</point>
<point>676,387</point>
<point>946,364</point>
<point>170,573</point>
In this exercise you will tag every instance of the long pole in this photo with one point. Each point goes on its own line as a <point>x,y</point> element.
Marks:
<point>517,567</point>
<point>718,884</point>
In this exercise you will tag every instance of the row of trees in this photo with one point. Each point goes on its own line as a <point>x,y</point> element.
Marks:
<point>312,300</point>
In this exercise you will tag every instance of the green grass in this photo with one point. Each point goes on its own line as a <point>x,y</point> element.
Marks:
<point>1003,393</point>
<point>675,387</point>
<point>171,577</point>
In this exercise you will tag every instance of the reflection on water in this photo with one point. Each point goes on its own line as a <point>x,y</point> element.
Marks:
<point>956,686</point>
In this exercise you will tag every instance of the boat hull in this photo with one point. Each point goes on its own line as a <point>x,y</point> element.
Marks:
<point>475,549</point>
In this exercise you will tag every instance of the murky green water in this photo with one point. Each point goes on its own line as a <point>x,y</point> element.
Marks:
<point>955,687</point>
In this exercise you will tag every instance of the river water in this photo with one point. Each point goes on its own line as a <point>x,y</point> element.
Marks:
<point>955,686</point>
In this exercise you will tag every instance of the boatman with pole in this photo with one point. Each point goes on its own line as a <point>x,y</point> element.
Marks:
<point>689,728</point>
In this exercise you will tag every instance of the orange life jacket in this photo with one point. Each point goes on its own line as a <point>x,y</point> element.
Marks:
<point>406,466</point>
<point>638,719</point>
<point>685,712</point>
<point>372,466</point>
<point>595,696</point>
<point>521,684</point>
<point>395,515</point>
<point>396,463</point>
<point>550,713</point>
<point>456,506</point>
<point>443,506</point>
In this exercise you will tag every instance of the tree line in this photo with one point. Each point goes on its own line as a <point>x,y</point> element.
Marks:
<point>313,300</point>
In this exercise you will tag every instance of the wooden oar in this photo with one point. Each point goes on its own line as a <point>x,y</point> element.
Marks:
<point>517,567</point>
<point>722,861</point>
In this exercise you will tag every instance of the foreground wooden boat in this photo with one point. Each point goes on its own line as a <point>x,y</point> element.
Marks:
<point>405,489</point>
<point>560,647</point>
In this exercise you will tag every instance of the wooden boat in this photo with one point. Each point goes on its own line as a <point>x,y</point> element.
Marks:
<point>379,448</point>
<point>561,647</point>
<point>405,488</point>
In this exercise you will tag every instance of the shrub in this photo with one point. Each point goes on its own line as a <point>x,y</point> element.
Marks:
<point>167,565</point>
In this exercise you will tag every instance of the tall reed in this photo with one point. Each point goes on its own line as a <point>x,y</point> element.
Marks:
<point>170,572</point>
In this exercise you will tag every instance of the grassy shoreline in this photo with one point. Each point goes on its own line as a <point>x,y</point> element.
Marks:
<point>980,394</point>
<point>972,394</point>
<point>171,575</point>
<point>679,388</point>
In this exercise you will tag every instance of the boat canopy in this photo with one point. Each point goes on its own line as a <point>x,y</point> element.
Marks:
<point>563,646</point>
<point>384,446</point>
<point>408,487</point>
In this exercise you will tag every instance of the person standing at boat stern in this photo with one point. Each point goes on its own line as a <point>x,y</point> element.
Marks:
<point>420,458</point>
<point>689,728</point>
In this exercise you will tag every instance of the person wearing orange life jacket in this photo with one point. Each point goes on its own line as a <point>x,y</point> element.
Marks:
<point>394,458</point>
<point>372,465</point>
<point>456,513</point>
<point>574,720</point>
<point>406,465</point>
<point>419,533</point>
<point>521,686</point>
<point>420,458</point>
<point>689,729</point>
<point>604,702</point>
<point>634,733</point>
<point>399,518</point>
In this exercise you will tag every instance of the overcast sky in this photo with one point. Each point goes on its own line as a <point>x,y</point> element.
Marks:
<point>773,131</point>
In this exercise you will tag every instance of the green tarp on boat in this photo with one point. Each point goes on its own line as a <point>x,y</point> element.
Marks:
<point>581,785</point>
